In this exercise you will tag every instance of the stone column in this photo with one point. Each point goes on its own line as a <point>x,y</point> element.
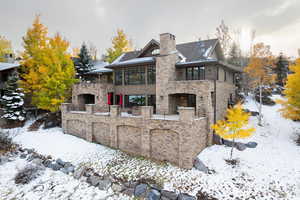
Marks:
<point>147,112</point>
<point>186,113</point>
<point>115,111</point>
<point>65,107</point>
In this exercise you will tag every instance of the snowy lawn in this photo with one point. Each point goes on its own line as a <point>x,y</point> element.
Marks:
<point>270,171</point>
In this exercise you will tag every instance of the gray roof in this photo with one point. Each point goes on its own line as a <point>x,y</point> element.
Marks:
<point>192,51</point>
<point>99,67</point>
<point>6,66</point>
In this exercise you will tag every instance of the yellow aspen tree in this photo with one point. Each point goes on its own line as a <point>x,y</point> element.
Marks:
<point>47,69</point>
<point>5,48</point>
<point>291,105</point>
<point>235,125</point>
<point>259,70</point>
<point>120,44</point>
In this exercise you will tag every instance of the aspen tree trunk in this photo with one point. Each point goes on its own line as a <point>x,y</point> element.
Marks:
<point>260,106</point>
<point>231,152</point>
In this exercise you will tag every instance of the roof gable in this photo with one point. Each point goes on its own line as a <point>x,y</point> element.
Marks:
<point>150,46</point>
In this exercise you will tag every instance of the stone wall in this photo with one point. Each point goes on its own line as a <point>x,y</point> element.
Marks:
<point>174,140</point>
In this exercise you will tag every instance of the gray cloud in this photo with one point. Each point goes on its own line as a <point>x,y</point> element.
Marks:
<point>97,20</point>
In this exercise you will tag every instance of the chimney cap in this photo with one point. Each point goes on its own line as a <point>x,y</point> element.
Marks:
<point>170,34</point>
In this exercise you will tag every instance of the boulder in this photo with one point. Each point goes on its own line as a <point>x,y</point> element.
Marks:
<point>104,184</point>
<point>117,187</point>
<point>79,172</point>
<point>169,195</point>
<point>183,196</point>
<point>228,143</point>
<point>93,180</point>
<point>37,161</point>
<point>60,162</point>
<point>153,195</point>
<point>47,162</point>
<point>3,160</point>
<point>199,165</point>
<point>54,166</point>
<point>23,155</point>
<point>140,190</point>
<point>129,191</point>
<point>251,144</point>
<point>240,146</point>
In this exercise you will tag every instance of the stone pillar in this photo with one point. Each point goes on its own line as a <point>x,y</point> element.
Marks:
<point>89,108</point>
<point>115,111</point>
<point>147,112</point>
<point>65,108</point>
<point>186,113</point>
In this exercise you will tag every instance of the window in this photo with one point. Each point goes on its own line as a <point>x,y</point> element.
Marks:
<point>134,76</point>
<point>118,77</point>
<point>195,73</point>
<point>135,100</point>
<point>151,75</point>
<point>152,102</point>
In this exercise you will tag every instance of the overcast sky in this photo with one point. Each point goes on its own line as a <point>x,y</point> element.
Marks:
<point>277,22</point>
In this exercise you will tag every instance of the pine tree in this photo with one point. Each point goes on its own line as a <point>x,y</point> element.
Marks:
<point>291,106</point>
<point>47,69</point>
<point>84,63</point>
<point>281,70</point>
<point>259,70</point>
<point>120,44</point>
<point>13,100</point>
<point>234,56</point>
<point>234,125</point>
<point>5,48</point>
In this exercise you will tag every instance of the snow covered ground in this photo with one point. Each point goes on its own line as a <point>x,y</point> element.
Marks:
<point>270,171</point>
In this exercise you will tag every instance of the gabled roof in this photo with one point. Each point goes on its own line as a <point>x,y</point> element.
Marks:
<point>192,51</point>
<point>99,67</point>
<point>6,66</point>
<point>151,44</point>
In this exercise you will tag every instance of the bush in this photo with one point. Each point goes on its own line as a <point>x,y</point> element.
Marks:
<point>204,196</point>
<point>27,174</point>
<point>6,143</point>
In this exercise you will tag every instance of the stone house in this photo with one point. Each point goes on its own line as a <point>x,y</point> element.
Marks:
<point>157,102</point>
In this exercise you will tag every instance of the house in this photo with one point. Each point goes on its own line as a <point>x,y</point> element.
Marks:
<point>158,102</point>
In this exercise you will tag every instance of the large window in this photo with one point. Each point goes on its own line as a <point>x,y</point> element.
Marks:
<point>151,75</point>
<point>195,73</point>
<point>118,77</point>
<point>135,100</point>
<point>134,76</point>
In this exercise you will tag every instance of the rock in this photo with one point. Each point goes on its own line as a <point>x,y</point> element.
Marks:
<point>169,195</point>
<point>155,187</point>
<point>228,143</point>
<point>47,163</point>
<point>251,144</point>
<point>68,164</point>
<point>104,184</point>
<point>140,190</point>
<point>29,151</point>
<point>240,146</point>
<point>183,196</point>
<point>60,162</point>
<point>55,166</point>
<point>37,161</point>
<point>153,195</point>
<point>3,160</point>
<point>130,184</point>
<point>70,169</point>
<point>199,165</point>
<point>79,172</point>
<point>23,155</point>
<point>117,187</point>
<point>49,124</point>
<point>129,191</point>
<point>93,180</point>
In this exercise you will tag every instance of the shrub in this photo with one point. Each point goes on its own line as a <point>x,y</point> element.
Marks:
<point>6,143</point>
<point>27,174</point>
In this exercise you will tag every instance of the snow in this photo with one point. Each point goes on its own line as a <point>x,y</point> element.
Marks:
<point>6,66</point>
<point>270,171</point>
<point>134,61</point>
<point>198,61</point>
<point>50,185</point>
<point>99,67</point>
<point>207,52</point>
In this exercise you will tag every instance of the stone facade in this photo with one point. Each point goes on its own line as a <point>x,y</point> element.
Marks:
<point>177,141</point>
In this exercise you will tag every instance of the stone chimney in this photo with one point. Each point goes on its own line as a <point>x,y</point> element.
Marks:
<point>165,71</point>
<point>167,43</point>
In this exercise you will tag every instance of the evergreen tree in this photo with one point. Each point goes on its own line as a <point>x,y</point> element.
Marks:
<point>281,70</point>
<point>47,69</point>
<point>234,56</point>
<point>120,44</point>
<point>83,63</point>
<point>13,100</point>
